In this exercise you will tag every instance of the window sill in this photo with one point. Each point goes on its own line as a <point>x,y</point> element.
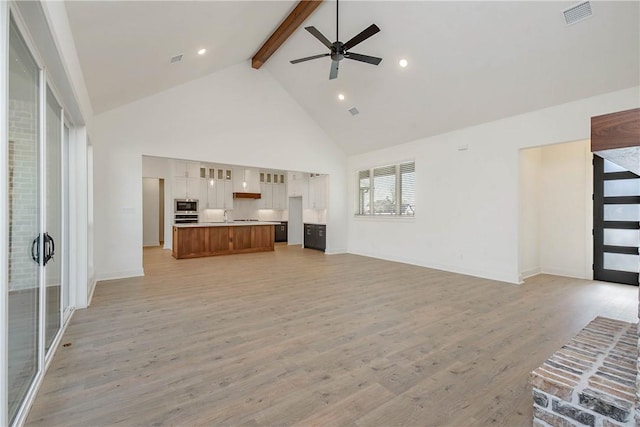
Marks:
<point>385,218</point>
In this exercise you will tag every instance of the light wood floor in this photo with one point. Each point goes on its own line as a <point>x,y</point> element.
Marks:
<point>294,337</point>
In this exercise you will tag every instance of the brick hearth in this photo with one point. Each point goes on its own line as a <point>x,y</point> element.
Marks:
<point>591,380</point>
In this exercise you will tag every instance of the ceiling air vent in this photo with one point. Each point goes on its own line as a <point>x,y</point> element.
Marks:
<point>354,111</point>
<point>577,13</point>
<point>175,59</point>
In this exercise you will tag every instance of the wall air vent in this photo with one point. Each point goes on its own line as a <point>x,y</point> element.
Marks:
<point>175,59</point>
<point>577,13</point>
<point>354,111</point>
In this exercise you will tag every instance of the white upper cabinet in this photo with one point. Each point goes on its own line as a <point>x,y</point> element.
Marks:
<point>186,181</point>
<point>298,184</point>
<point>266,196</point>
<point>273,190</point>
<point>318,188</point>
<point>208,187</point>
<point>280,196</point>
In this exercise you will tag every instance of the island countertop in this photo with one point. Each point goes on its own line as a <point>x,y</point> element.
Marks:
<point>225,224</point>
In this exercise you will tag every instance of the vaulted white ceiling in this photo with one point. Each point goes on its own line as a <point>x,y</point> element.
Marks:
<point>469,62</point>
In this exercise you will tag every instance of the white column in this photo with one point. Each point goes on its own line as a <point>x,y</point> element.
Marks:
<point>78,209</point>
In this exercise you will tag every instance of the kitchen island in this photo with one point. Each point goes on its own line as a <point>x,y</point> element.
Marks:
<point>222,238</point>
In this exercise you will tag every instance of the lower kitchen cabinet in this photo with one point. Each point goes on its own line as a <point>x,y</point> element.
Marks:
<point>240,237</point>
<point>262,237</point>
<point>315,236</point>
<point>218,239</point>
<point>282,232</point>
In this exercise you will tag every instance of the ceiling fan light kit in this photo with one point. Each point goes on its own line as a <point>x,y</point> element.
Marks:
<point>339,50</point>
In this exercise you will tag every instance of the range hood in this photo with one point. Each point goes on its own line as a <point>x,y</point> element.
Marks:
<point>247,195</point>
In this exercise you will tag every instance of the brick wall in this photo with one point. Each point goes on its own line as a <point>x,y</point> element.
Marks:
<point>591,380</point>
<point>23,193</point>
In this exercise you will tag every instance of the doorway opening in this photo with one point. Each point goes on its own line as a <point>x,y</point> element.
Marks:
<point>153,212</point>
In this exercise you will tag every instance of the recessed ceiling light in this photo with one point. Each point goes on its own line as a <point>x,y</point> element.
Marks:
<point>202,51</point>
<point>403,63</point>
<point>341,97</point>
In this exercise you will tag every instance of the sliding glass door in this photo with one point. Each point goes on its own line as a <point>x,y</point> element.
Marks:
<point>24,213</point>
<point>53,219</point>
<point>37,203</point>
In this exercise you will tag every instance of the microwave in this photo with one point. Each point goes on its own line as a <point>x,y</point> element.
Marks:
<point>185,205</point>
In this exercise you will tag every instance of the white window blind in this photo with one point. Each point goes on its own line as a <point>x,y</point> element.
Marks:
<point>384,191</point>
<point>408,188</point>
<point>387,191</point>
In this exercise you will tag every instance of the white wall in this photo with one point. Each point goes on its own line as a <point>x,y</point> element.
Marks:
<point>530,192</point>
<point>150,211</point>
<point>566,210</point>
<point>467,218</point>
<point>556,214</point>
<point>235,116</point>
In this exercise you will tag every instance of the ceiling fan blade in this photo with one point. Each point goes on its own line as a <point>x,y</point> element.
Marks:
<point>309,58</point>
<point>363,58</point>
<point>334,70</point>
<point>365,34</point>
<point>317,34</point>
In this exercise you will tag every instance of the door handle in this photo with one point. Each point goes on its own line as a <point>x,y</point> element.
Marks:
<point>35,249</point>
<point>49,248</point>
<point>48,251</point>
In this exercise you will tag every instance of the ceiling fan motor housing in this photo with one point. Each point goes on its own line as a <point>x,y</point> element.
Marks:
<point>337,51</point>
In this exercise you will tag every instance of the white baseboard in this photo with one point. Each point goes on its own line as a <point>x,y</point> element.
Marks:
<point>335,251</point>
<point>558,271</point>
<point>119,275</point>
<point>147,244</point>
<point>530,273</point>
<point>92,288</point>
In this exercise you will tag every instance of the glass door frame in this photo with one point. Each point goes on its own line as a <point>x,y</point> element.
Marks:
<point>4,220</point>
<point>66,233</point>
<point>61,245</point>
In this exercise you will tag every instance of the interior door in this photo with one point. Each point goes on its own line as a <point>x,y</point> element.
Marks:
<point>616,223</point>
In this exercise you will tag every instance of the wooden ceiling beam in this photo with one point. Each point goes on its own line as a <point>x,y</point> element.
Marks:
<point>302,11</point>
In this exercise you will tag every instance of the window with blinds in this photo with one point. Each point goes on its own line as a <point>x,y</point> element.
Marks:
<point>364,203</point>
<point>387,191</point>
<point>408,188</point>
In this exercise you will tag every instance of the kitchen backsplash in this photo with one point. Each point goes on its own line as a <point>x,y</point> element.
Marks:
<point>245,209</point>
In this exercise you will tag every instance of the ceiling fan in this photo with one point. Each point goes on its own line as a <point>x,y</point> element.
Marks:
<point>340,50</point>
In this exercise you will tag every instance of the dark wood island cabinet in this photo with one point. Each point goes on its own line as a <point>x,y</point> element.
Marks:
<point>194,241</point>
